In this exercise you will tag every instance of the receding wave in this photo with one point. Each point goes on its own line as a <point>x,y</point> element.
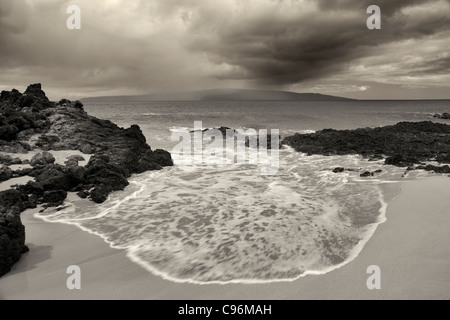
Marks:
<point>221,224</point>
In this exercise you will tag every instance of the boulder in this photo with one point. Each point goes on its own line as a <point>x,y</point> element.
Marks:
<point>32,187</point>
<point>32,201</point>
<point>366,174</point>
<point>42,159</point>
<point>24,172</point>
<point>444,169</point>
<point>35,91</point>
<point>38,160</point>
<point>99,194</point>
<point>398,160</point>
<point>76,175</point>
<point>16,161</point>
<point>76,157</point>
<point>8,132</point>
<point>445,116</point>
<point>12,95</point>
<point>394,160</point>
<point>163,158</point>
<point>12,231</point>
<point>53,177</point>
<point>55,198</point>
<point>5,159</point>
<point>48,157</point>
<point>78,105</point>
<point>14,147</point>
<point>376,157</point>
<point>5,173</point>
<point>11,198</point>
<point>63,103</point>
<point>8,160</point>
<point>106,176</point>
<point>87,149</point>
<point>83,194</point>
<point>71,163</point>
<point>35,98</point>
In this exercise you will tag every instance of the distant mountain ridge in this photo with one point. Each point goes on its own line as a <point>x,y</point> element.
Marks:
<point>222,95</point>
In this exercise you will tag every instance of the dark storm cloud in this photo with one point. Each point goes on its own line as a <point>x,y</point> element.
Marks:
<point>389,7</point>
<point>139,46</point>
<point>282,49</point>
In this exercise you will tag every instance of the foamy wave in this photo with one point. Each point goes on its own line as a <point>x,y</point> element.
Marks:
<point>151,114</point>
<point>228,224</point>
<point>180,129</point>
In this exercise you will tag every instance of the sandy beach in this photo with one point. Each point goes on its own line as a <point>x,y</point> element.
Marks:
<point>412,249</point>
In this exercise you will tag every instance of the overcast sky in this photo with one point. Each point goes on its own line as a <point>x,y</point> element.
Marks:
<point>151,46</point>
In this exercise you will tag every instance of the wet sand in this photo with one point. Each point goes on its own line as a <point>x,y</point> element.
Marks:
<point>412,249</point>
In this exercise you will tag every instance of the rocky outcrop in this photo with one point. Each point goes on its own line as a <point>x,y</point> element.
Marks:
<point>55,197</point>
<point>402,145</point>
<point>30,121</point>
<point>42,159</point>
<point>445,116</point>
<point>232,133</point>
<point>40,123</point>
<point>76,158</point>
<point>5,173</point>
<point>369,174</point>
<point>8,160</point>
<point>364,174</point>
<point>8,132</point>
<point>437,169</point>
<point>12,231</point>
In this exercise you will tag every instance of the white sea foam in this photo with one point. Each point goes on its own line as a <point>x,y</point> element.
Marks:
<point>180,129</point>
<point>227,224</point>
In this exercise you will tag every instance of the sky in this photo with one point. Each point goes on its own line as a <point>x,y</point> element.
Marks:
<point>159,46</point>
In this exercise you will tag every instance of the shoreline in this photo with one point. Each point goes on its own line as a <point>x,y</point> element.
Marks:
<point>414,233</point>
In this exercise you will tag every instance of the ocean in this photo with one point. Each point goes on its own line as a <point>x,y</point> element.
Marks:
<point>227,223</point>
